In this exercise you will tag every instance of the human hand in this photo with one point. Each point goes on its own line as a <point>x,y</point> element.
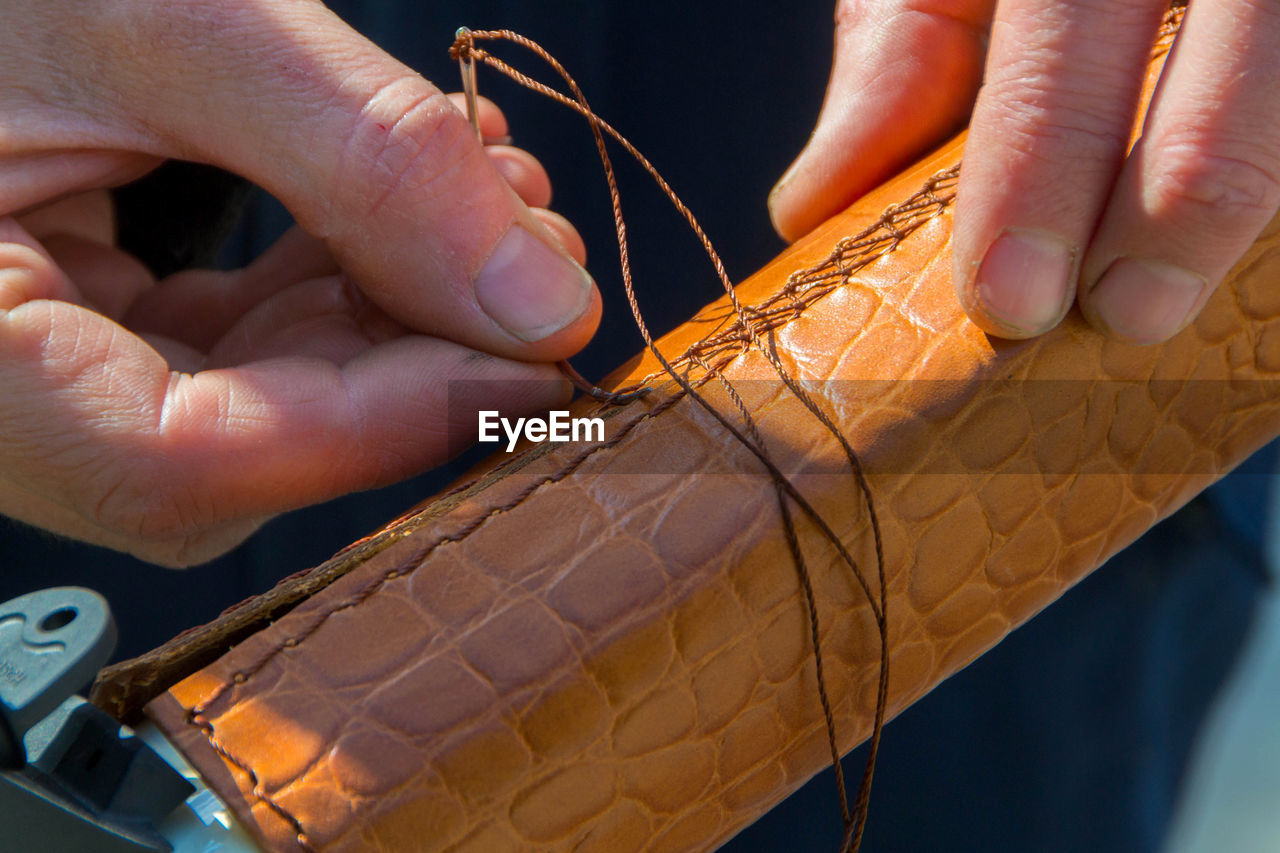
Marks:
<point>171,419</point>
<point>1052,206</point>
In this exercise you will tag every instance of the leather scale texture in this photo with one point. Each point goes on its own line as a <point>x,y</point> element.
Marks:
<point>604,647</point>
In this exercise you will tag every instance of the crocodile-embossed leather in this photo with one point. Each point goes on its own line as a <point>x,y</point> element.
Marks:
<point>603,647</point>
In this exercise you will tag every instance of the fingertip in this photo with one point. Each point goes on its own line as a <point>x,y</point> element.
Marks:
<point>492,121</point>
<point>903,79</point>
<point>27,272</point>
<point>1022,287</point>
<point>18,284</point>
<point>569,238</point>
<point>826,177</point>
<point>788,218</point>
<point>87,215</point>
<point>108,278</point>
<point>522,171</point>
<point>1144,301</point>
<point>574,336</point>
<point>537,293</point>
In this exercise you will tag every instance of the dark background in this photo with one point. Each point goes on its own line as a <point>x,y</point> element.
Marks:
<point>1069,736</point>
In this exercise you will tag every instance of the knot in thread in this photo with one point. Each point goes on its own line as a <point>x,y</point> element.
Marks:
<point>464,45</point>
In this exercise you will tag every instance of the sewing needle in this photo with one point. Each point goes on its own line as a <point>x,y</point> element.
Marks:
<point>467,67</point>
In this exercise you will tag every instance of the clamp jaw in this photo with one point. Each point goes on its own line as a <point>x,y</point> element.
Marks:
<point>71,777</point>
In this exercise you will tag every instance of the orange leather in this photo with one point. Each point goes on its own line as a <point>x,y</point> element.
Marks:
<point>604,647</point>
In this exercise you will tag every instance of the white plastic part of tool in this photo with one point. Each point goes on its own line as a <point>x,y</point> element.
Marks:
<point>203,824</point>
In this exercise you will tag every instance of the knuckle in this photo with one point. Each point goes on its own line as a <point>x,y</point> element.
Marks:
<point>1041,120</point>
<point>176,29</point>
<point>967,14</point>
<point>402,140</point>
<point>850,15</point>
<point>1227,188</point>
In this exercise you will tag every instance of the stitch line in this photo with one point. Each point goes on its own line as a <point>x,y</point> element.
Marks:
<point>806,286</point>
<point>418,559</point>
<point>265,798</point>
<point>194,716</point>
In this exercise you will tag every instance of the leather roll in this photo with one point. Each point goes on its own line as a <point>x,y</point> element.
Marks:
<point>603,646</point>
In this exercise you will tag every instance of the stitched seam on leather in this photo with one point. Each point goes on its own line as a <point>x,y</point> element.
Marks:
<point>806,286</point>
<point>239,678</point>
<point>457,536</point>
<point>284,814</point>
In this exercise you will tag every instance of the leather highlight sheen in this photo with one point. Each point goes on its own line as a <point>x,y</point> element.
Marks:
<point>564,655</point>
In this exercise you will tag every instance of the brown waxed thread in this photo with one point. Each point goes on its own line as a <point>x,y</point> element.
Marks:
<point>802,288</point>
<point>854,821</point>
<point>746,331</point>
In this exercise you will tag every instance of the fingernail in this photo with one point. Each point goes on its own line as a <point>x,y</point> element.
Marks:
<point>771,203</point>
<point>780,194</point>
<point>17,285</point>
<point>1146,301</point>
<point>529,289</point>
<point>1025,282</point>
<point>784,180</point>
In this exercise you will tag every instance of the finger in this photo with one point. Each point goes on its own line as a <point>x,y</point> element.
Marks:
<point>904,76</point>
<point>108,279</point>
<point>565,233</point>
<point>178,356</point>
<point>324,318</point>
<point>493,123</point>
<point>198,307</point>
<point>182,552</point>
<point>1049,134</point>
<point>88,215</point>
<point>152,462</point>
<point>27,273</point>
<point>366,154</point>
<point>1201,183</point>
<point>34,179</point>
<point>78,233</point>
<point>522,171</point>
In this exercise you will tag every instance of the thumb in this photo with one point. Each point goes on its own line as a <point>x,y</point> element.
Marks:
<point>904,77</point>
<point>368,156</point>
